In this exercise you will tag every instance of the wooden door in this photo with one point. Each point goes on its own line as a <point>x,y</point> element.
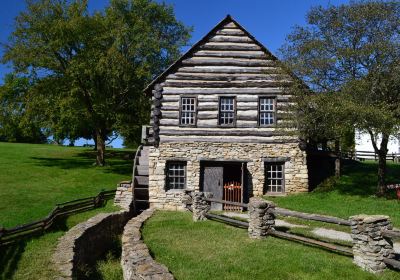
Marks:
<point>213,182</point>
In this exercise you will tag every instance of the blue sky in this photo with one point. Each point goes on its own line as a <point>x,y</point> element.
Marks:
<point>268,20</point>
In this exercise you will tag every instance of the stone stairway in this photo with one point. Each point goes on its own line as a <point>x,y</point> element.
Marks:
<point>141,184</point>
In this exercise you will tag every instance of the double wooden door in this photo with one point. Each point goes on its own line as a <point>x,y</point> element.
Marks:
<point>216,180</point>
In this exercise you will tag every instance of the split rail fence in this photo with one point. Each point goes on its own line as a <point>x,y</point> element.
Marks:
<point>60,210</point>
<point>330,246</point>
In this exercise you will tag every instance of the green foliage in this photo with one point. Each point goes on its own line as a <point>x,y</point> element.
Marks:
<point>91,68</point>
<point>15,124</point>
<point>212,250</point>
<point>350,55</point>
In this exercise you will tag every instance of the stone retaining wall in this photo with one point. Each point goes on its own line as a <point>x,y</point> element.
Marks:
<point>136,260</point>
<point>124,195</point>
<point>86,243</point>
<point>295,167</point>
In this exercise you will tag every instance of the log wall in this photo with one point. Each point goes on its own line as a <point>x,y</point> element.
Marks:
<point>229,62</point>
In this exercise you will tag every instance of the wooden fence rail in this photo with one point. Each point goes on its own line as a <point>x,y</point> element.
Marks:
<point>63,209</point>
<point>313,217</point>
<point>341,249</point>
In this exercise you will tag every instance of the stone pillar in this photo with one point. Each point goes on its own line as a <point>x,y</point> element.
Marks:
<point>200,207</point>
<point>369,246</point>
<point>261,217</point>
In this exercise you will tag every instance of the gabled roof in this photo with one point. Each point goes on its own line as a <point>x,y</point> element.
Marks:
<point>177,63</point>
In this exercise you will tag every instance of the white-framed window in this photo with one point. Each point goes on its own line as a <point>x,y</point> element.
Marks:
<point>176,175</point>
<point>188,111</point>
<point>266,112</point>
<point>226,111</point>
<point>274,177</point>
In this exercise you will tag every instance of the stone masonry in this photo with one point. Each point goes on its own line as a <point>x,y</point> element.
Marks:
<point>136,260</point>
<point>200,206</point>
<point>87,242</point>
<point>124,195</point>
<point>295,167</point>
<point>369,246</point>
<point>261,217</point>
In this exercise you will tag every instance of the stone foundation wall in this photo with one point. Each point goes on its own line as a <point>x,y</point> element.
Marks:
<point>295,167</point>
<point>124,195</point>
<point>136,260</point>
<point>86,243</point>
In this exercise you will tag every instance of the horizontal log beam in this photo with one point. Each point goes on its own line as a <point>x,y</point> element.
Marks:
<point>230,32</point>
<point>226,77</point>
<point>165,139</point>
<point>223,91</point>
<point>210,61</point>
<point>221,132</point>
<point>227,84</point>
<point>230,70</point>
<point>233,39</point>
<point>231,54</point>
<point>230,47</point>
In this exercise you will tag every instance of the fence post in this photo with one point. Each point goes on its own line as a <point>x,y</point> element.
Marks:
<point>200,206</point>
<point>370,247</point>
<point>262,217</point>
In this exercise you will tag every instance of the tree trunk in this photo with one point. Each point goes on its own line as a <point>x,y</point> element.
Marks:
<point>381,174</point>
<point>382,152</point>
<point>101,147</point>
<point>95,141</point>
<point>338,159</point>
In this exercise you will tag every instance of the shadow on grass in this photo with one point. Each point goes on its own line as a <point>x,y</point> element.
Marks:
<point>359,178</point>
<point>9,258</point>
<point>117,162</point>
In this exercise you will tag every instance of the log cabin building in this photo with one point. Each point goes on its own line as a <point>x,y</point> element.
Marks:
<point>213,124</point>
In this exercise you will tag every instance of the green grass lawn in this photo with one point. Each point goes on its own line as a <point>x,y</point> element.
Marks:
<point>212,250</point>
<point>352,194</point>
<point>33,178</point>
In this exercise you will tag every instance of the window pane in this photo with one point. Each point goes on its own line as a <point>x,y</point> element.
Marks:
<point>226,110</point>
<point>176,175</point>
<point>188,111</point>
<point>267,111</point>
<point>274,177</point>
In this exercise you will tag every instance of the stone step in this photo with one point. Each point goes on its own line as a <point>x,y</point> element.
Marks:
<point>143,160</point>
<point>142,180</point>
<point>142,170</point>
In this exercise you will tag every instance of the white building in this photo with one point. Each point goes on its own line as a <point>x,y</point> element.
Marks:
<point>364,144</point>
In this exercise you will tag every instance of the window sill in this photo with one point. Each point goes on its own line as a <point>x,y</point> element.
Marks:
<point>275,194</point>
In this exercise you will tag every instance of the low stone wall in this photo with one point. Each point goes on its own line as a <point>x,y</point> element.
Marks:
<point>87,242</point>
<point>124,195</point>
<point>136,260</point>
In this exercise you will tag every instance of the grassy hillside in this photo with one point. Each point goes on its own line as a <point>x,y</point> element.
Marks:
<point>33,178</point>
<point>352,194</point>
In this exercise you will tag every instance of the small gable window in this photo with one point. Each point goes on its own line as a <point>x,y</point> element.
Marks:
<point>176,175</point>
<point>188,111</point>
<point>226,111</point>
<point>266,111</point>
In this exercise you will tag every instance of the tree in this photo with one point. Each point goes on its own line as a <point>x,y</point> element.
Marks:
<point>101,61</point>
<point>351,50</point>
<point>15,125</point>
